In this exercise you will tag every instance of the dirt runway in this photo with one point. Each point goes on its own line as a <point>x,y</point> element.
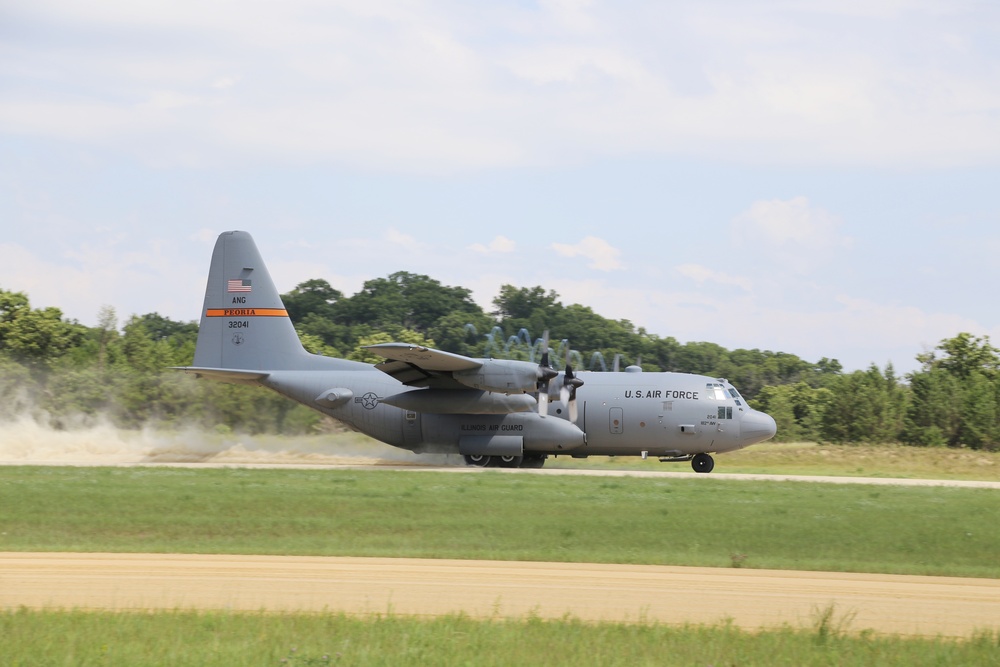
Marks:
<point>904,605</point>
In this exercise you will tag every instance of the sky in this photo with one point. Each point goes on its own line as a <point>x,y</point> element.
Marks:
<point>817,177</point>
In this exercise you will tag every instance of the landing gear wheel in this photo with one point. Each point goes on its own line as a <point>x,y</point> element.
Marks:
<point>702,463</point>
<point>533,461</point>
<point>478,460</point>
<point>509,461</point>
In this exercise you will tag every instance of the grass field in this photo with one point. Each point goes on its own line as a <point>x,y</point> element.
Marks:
<point>701,521</point>
<point>894,461</point>
<point>210,639</point>
<point>492,515</point>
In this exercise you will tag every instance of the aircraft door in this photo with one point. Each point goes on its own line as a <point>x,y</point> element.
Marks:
<point>616,421</point>
<point>412,435</point>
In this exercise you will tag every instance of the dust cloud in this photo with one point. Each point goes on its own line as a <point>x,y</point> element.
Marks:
<point>28,441</point>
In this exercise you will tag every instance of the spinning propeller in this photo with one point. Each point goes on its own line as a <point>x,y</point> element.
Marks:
<point>545,373</point>
<point>568,392</point>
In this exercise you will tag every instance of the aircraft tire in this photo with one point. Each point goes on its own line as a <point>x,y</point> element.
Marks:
<point>702,463</point>
<point>478,460</point>
<point>533,461</point>
<point>509,461</point>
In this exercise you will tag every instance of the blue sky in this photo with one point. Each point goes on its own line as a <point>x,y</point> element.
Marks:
<point>819,178</point>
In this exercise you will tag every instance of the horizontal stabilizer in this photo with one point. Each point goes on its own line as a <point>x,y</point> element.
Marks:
<point>223,374</point>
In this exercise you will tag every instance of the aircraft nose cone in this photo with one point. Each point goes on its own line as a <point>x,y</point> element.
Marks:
<point>756,427</point>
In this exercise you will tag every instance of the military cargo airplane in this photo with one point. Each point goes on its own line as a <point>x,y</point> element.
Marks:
<point>494,412</point>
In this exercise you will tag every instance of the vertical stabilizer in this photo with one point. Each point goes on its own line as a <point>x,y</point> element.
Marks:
<point>244,324</point>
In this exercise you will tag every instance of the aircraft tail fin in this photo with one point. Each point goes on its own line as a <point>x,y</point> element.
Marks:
<point>244,324</point>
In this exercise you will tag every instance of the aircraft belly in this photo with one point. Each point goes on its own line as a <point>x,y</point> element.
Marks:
<point>550,434</point>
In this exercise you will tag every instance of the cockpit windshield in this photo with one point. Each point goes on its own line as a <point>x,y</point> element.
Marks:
<point>723,391</point>
<point>736,395</point>
<point>715,390</point>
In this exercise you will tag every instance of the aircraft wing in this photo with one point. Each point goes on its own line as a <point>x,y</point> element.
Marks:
<point>419,366</point>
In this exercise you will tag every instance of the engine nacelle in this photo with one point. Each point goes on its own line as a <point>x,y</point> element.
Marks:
<point>506,376</point>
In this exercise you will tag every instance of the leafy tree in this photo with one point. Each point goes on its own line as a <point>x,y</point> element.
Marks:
<point>315,345</point>
<point>798,410</point>
<point>864,406</point>
<point>829,367</point>
<point>980,427</point>
<point>19,390</point>
<point>35,336</point>
<point>530,308</point>
<point>312,297</point>
<point>662,352</point>
<point>83,392</point>
<point>460,332</point>
<point>964,355</point>
<point>404,300</point>
<point>699,357</point>
<point>107,331</point>
<point>934,414</point>
<point>162,328</point>
<point>956,395</point>
<point>334,337</point>
<point>139,349</point>
<point>751,370</point>
<point>586,330</point>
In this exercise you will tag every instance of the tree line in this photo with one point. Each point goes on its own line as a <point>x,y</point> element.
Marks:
<point>62,371</point>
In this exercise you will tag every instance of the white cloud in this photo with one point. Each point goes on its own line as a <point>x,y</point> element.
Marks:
<point>225,82</point>
<point>397,237</point>
<point>602,255</point>
<point>414,87</point>
<point>205,235</point>
<point>501,244</point>
<point>270,93</point>
<point>703,274</point>
<point>792,223</point>
<point>81,282</point>
<point>790,235</point>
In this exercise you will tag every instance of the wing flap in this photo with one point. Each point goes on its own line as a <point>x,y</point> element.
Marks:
<point>406,373</point>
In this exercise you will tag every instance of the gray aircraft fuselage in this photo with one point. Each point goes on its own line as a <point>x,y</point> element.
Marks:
<point>620,414</point>
<point>491,411</point>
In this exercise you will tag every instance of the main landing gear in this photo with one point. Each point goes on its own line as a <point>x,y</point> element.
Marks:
<point>486,461</point>
<point>702,462</point>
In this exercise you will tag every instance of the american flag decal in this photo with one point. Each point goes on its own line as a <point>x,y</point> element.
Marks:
<point>238,285</point>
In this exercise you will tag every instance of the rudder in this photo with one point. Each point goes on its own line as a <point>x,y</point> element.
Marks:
<point>244,324</point>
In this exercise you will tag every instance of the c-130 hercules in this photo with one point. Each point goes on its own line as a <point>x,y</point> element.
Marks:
<point>492,411</point>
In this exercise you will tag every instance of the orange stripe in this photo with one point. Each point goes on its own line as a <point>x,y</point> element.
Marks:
<point>246,312</point>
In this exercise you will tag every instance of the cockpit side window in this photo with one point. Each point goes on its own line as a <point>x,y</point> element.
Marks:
<point>714,390</point>
<point>736,395</point>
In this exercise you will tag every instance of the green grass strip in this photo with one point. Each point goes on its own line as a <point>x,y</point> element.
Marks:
<point>207,639</point>
<point>490,515</point>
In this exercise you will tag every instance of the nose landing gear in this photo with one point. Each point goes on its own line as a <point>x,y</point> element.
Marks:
<point>702,462</point>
